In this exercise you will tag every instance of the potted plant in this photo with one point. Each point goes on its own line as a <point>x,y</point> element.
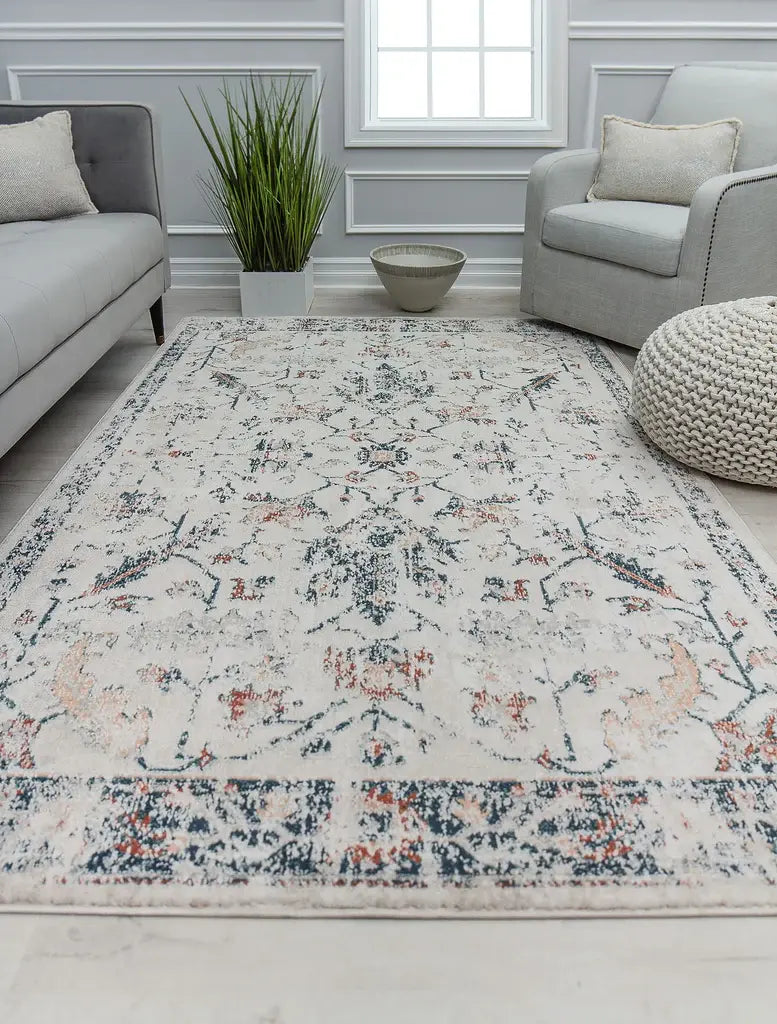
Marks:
<point>270,189</point>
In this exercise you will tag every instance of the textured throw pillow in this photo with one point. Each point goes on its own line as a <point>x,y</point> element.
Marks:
<point>653,163</point>
<point>39,176</point>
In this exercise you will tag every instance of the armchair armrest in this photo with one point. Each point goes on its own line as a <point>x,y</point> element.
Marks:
<point>117,150</point>
<point>555,180</point>
<point>560,179</point>
<point>730,246</point>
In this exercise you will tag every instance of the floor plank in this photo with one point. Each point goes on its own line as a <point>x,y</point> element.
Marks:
<point>92,969</point>
<point>218,971</point>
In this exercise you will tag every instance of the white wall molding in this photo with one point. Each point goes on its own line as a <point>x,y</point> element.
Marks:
<point>149,31</point>
<point>673,30</point>
<point>598,71</point>
<point>139,31</point>
<point>16,73</point>
<point>354,228</point>
<point>198,230</point>
<point>345,272</point>
<point>194,230</point>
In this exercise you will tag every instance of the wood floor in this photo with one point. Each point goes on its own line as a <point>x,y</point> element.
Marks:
<point>100,969</point>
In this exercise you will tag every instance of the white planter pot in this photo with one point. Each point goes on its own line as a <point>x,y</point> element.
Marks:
<point>277,294</point>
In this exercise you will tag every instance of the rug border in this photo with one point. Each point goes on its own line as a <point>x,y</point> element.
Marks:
<point>162,352</point>
<point>259,913</point>
<point>329,902</point>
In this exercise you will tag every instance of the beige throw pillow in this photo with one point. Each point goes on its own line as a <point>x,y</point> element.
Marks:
<point>39,176</point>
<point>653,163</point>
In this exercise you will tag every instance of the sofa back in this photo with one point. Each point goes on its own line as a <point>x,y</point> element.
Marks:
<point>116,149</point>
<point>696,93</point>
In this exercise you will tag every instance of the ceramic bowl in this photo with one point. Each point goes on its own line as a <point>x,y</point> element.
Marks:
<point>417,277</point>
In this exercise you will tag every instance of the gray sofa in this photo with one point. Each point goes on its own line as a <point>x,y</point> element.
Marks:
<point>621,269</point>
<point>70,288</point>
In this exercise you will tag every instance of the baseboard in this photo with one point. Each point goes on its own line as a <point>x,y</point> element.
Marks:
<point>347,272</point>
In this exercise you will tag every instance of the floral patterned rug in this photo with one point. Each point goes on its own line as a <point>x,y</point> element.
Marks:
<point>385,616</point>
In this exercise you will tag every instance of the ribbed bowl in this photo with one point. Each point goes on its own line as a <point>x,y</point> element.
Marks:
<point>417,277</point>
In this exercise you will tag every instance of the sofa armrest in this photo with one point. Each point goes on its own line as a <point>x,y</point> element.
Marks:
<point>117,151</point>
<point>730,246</point>
<point>555,180</point>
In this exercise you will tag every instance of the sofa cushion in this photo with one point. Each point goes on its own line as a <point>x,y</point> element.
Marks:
<point>647,236</point>
<point>57,275</point>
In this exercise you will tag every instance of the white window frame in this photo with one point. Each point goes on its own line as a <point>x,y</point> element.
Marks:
<point>547,129</point>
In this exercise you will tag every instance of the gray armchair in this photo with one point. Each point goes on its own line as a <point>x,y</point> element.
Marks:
<point>618,269</point>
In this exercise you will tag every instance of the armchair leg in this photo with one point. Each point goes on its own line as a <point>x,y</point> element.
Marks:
<point>158,321</point>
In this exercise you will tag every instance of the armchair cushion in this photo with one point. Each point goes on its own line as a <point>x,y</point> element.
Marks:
<point>646,236</point>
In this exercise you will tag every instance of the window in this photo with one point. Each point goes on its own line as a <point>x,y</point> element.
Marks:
<point>456,72</point>
<point>453,59</point>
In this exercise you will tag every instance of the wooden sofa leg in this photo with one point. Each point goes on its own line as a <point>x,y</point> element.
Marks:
<point>158,321</point>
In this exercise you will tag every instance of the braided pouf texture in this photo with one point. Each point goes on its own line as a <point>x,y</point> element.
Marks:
<point>705,389</point>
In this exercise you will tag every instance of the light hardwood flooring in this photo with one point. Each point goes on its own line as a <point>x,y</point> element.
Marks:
<point>99,969</point>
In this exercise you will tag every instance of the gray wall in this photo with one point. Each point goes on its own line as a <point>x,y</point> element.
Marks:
<point>620,52</point>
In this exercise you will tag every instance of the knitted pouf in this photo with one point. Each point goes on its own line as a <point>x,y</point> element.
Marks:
<point>705,389</point>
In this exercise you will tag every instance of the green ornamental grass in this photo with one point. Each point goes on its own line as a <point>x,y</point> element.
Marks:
<point>269,188</point>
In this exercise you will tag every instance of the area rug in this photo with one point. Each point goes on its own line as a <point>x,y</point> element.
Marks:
<point>385,616</point>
